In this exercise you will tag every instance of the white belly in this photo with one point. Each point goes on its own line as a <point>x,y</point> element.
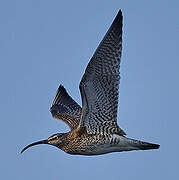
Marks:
<point>115,143</point>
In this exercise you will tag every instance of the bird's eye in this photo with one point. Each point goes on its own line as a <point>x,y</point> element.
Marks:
<point>53,138</point>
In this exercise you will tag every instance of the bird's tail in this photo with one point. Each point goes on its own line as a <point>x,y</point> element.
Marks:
<point>146,146</point>
<point>143,145</point>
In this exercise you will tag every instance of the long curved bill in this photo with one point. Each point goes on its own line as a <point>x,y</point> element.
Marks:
<point>35,143</point>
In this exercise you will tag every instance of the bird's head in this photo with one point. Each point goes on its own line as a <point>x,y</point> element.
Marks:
<point>55,140</point>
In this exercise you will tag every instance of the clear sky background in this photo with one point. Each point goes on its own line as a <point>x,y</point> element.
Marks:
<point>47,43</point>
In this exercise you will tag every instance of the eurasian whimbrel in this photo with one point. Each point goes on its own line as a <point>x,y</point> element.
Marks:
<point>94,128</point>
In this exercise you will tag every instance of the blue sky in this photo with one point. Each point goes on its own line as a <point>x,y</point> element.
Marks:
<point>47,43</point>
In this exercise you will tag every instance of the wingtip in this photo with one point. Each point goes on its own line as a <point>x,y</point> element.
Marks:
<point>119,18</point>
<point>60,90</point>
<point>61,87</point>
<point>119,13</point>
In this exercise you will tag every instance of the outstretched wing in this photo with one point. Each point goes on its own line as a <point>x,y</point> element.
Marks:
<point>65,108</point>
<point>100,83</point>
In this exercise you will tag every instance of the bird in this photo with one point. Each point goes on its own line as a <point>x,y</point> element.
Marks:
<point>93,127</point>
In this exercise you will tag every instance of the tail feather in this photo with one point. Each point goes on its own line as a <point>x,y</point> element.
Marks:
<point>142,145</point>
<point>146,146</point>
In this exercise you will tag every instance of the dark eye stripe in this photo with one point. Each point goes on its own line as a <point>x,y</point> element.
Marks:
<point>53,138</point>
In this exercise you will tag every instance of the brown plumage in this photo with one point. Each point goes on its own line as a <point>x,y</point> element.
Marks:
<point>94,128</point>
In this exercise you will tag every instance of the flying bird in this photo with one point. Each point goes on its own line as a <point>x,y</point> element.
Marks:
<point>93,128</point>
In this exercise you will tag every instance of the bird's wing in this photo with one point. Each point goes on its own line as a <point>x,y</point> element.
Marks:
<point>65,108</point>
<point>100,83</point>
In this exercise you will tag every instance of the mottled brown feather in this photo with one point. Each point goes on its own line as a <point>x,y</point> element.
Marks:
<point>65,108</point>
<point>100,83</point>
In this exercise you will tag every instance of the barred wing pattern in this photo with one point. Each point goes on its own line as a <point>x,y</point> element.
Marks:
<point>65,108</point>
<point>100,83</point>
